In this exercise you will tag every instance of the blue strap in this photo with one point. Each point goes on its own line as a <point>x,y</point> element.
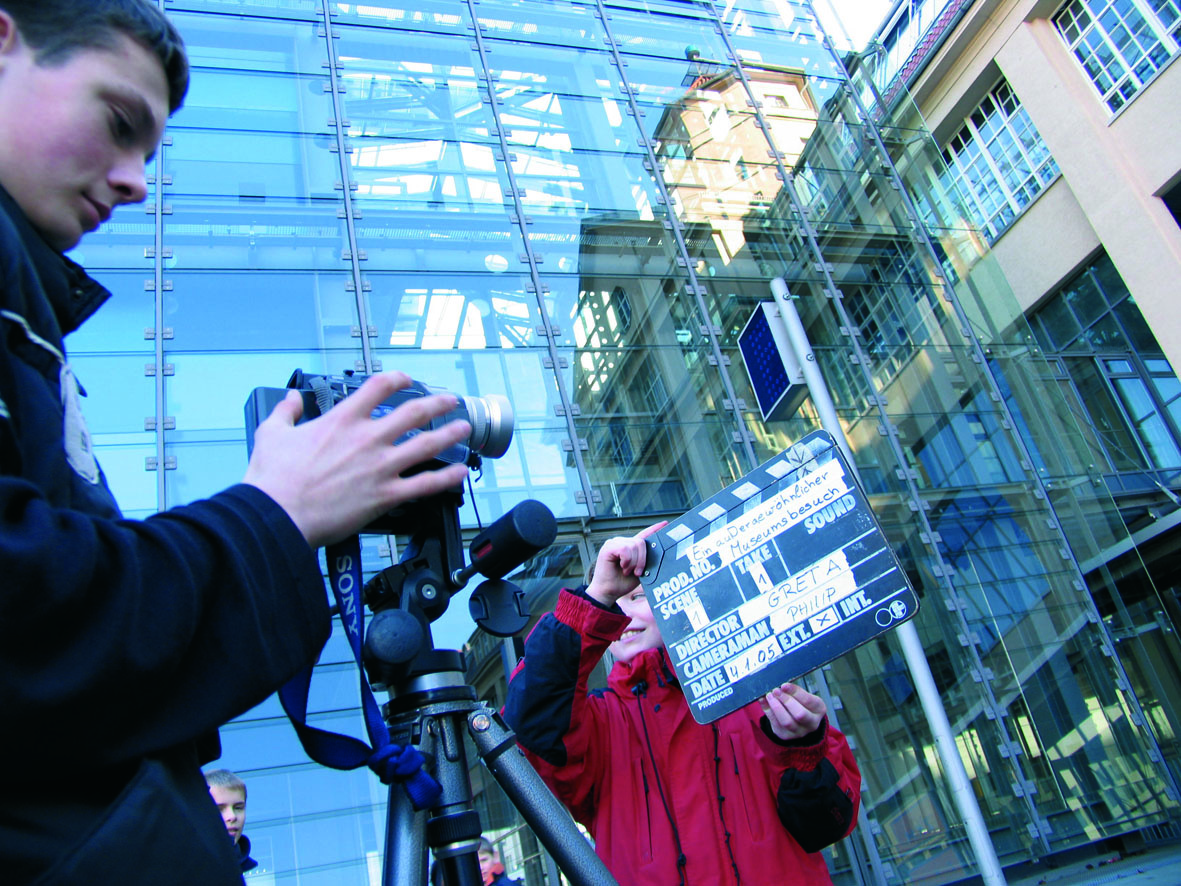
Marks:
<point>390,761</point>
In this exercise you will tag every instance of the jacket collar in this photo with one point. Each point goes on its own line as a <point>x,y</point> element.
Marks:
<point>72,293</point>
<point>651,667</point>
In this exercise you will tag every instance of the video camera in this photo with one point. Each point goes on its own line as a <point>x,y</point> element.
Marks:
<point>491,417</point>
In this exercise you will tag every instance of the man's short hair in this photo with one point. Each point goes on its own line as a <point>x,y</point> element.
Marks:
<point>223,778</point>
<point>56,29</point>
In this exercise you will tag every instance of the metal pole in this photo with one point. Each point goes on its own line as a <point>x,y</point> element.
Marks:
<point>912,648</point>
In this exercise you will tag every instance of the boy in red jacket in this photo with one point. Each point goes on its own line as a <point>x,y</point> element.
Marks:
<point>749,799</point>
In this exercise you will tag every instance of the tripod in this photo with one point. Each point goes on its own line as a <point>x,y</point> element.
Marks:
<point>432,708</point>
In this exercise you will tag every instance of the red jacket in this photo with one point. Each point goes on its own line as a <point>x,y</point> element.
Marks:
<point>649,782</point>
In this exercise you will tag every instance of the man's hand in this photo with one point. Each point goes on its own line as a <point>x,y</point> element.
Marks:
<point>619,565</point>
<point>340,471</point>
<point>792,711</point>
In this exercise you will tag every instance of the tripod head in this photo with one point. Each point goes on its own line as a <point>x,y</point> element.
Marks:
<point>430,704</point>
<point>406,597</point>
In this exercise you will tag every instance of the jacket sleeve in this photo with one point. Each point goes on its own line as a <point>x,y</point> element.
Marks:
<point>140,635</point>
<point>816,784</point>
<point>560,726</point>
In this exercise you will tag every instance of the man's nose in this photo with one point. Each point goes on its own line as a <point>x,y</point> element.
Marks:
<point>128,178</point>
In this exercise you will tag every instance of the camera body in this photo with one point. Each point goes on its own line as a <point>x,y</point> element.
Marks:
<point>491,417</point>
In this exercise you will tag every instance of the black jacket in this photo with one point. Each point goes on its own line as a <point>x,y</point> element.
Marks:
<point>123,644</point>
<point>245,862</point>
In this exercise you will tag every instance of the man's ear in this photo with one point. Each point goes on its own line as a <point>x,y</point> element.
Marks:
<point>9,35</point>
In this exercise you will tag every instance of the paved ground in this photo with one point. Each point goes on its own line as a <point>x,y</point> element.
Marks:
<point>1161,867</point>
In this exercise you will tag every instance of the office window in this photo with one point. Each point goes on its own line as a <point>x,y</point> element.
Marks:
<point>1120,43</point>
<point>1095,336</point>
<point>997,162</point>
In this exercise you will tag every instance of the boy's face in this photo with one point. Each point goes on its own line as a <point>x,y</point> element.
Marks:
<point>642,633</point>
<point>487,861</point>
<point>74,136</point>
<point>231,803</point>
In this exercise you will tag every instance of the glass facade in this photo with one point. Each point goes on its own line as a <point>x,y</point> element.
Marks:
<point>578,204</point>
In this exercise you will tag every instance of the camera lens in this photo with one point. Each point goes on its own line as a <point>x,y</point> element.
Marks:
<point>491,419</point>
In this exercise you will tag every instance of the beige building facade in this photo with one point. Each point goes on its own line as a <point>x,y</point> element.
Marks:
<point>1115,167</point>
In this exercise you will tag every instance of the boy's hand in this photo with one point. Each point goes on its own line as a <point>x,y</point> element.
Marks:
<point>340,471</point>
<point>792,711</point>
<point>619,565</point>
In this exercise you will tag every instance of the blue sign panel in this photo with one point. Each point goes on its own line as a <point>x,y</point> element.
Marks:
<point>770,364</point>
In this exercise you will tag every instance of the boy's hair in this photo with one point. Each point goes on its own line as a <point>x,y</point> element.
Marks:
<point>223,778</point>
<point>56,29</point>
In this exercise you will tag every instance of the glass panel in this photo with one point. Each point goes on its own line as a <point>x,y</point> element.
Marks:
<point>122,242</point>
<point>1107,417</point>
<point>123,459</point>
<point>441,310</point>
<point>291,47</point>
<point>437,16</point>
<point>434,175</point>
<point>118,394</point>
<point>570,26</point>
<point>670,35</point>
<point>536,466</point>
<point>201,417</point>
<point>268,234</point>
<point>205,163</point>
<point>419,87</point>
<point>1148,425</point>
<point>292,310</point>
<point>266,102</point>
<point>296,9</point>
<point>415,241</point>
<point>1085,300</point>
<point>121,324</point>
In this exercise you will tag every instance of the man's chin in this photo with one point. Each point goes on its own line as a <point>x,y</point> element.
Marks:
<point>59,239</point>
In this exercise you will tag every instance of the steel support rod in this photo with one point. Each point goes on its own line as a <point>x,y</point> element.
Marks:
<point>989,866</point>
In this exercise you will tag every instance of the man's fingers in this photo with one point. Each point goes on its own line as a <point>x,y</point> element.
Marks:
<point>430,482</point>
<point>634,557</point>
<point>773,706</point>
<point>426,445</point>
<point>374,391</point>
<point>288,410</point>
<point>416,412</point>
<point>790,702</point>
<point>634,554</point>
<point>655,527</point>
<point>806,699</point>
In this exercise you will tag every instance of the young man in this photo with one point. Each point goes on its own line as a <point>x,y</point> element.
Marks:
<point>751,798</point>
<point>125,644</point>
<point>229,796</point>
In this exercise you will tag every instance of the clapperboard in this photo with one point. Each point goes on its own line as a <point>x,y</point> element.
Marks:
<point>773,577</point>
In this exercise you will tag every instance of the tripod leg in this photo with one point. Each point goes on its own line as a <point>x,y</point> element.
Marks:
<point>497,747</point>
<point>405,841</point>
<point>451,828</point>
